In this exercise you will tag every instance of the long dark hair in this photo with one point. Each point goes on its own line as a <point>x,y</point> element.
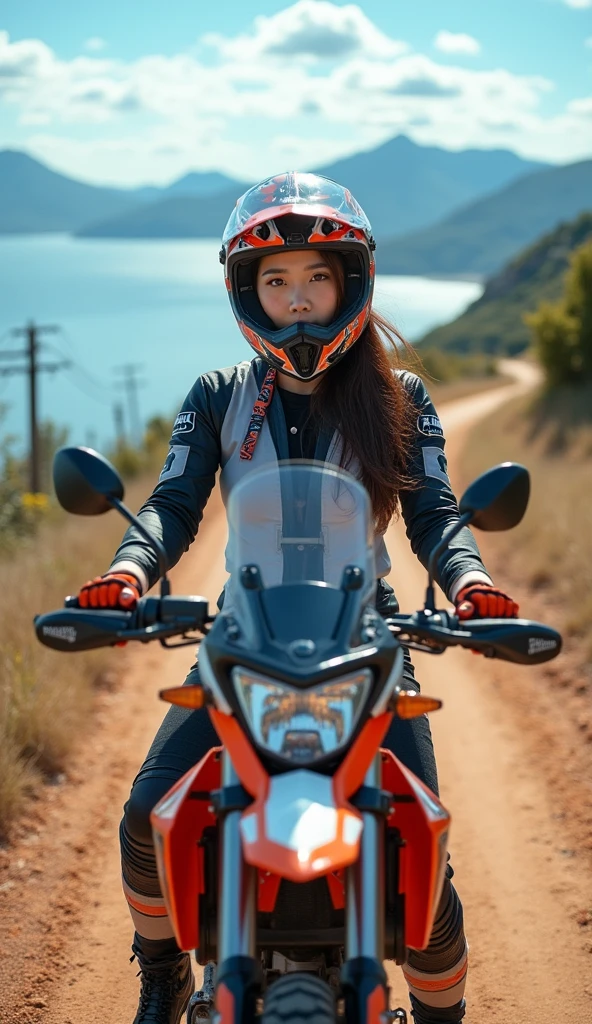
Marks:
<point>368,404</point>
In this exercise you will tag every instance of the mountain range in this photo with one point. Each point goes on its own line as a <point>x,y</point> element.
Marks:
<point>402,186</point>
<point>480,237</point>
<point>433,211</point>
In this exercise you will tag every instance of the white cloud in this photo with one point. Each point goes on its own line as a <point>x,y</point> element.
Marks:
<point>160,115</point>
<point>578,3</point>
<point>588,42</point>
<point>456,42</point>
<point>23,61</point>
<point>582,106</point>
<point>310,29</point>
<point>95,44</point>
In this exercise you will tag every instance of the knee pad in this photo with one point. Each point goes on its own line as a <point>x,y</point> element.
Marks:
<point>145,794</point>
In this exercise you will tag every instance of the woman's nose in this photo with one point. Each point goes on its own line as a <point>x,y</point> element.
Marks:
<point>299,302</point>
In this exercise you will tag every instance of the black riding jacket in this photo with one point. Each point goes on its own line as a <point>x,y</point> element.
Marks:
<point>174,510</point>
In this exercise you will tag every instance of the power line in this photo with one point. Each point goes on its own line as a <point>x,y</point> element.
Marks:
<point>95,381</point>
<point>75,370</point>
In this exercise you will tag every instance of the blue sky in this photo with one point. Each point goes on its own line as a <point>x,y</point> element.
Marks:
<point>127,93</point>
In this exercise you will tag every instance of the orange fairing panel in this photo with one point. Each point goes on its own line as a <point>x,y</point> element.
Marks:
<point>352,770</point>
<point>298,830</point>
<point>423,824</point>
<point>178,822</point>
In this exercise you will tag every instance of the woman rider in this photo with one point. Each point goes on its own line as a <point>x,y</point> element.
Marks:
<point>299,266</point>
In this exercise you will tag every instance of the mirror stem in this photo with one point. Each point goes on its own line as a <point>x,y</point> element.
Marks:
<point>165,587</point>
<point>430,597</point>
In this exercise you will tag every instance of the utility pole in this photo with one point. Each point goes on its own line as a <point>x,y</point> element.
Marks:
<point>131,384</point>
<point>32,367</point>
<point>119,426</point>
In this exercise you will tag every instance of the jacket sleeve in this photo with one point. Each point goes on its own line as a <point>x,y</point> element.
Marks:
<point>430,507</point>
<point>175,508</point>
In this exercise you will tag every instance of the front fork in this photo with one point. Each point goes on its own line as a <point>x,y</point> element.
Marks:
<point>363,978</point>
<point>239,975</point>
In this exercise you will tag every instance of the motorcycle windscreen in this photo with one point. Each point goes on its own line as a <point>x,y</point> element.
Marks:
<point>301,521</point>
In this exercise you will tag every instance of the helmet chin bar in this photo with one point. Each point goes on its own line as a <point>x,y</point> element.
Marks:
<point>304,355</point>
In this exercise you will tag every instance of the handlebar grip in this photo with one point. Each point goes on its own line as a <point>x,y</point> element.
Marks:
<point>519,640</point>
<point>81,629</point>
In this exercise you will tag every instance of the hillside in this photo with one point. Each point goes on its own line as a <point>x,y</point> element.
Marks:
<point>493,324</point>
<point>35,199</point>
<point>481,237</point>
<point>174,217</point>
<point>402,187</point>
<point>196,183</point>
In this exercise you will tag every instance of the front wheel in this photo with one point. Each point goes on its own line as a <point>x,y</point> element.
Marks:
<point>299,999</point>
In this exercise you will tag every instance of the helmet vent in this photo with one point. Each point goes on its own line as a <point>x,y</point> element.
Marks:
<point>263,231</point>
<point>296,238</point>
<point>305,358</point>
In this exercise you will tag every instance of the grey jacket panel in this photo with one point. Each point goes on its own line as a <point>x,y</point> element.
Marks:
<point>431,508</point>
<point>175,508</point>
<point>202,440</point>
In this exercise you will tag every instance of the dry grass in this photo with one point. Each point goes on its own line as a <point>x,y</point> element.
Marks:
<point>551,550</point>
<point>448,392</point>
<point>46,698</point>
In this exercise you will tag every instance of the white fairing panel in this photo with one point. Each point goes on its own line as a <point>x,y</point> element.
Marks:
<point>300,812</point>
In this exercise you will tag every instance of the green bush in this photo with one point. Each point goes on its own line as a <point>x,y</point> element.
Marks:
<point>562,331</point>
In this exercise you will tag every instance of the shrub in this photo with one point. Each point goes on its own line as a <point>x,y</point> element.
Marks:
<point>562,332</point>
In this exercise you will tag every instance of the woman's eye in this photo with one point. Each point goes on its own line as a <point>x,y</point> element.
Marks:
<point>276,281</point>
<point>320,276</point>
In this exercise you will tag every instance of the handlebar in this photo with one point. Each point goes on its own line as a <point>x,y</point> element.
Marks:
<point>519,640</point>
<point>154,618</point>
<point>159,618</point>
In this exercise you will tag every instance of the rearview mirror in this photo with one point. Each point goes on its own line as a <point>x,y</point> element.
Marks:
<point>497,499</point>
<point>85,482</point>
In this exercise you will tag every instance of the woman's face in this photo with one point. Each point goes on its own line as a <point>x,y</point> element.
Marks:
<point>296,286</point>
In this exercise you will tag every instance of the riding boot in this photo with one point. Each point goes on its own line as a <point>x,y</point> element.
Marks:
<point>423,1014</point>
<point>166,987</point>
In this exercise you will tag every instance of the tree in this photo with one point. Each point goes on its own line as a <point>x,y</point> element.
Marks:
<point>578,302</point>
<point>562,331</point>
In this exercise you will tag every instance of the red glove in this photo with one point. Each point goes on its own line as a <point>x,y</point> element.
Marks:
<point>483,601</point>
<point>113,590</point>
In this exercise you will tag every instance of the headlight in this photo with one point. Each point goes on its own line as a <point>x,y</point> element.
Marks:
<point>301,726</point>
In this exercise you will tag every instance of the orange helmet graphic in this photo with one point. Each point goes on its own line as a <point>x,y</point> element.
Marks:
<point>299,211</point>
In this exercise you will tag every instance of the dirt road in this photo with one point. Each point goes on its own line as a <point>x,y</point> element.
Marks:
<point>65,931</point>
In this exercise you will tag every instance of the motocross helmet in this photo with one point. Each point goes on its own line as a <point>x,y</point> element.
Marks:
<point>299,211</point>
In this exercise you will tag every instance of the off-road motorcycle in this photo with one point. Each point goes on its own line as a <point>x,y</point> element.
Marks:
<point>298,855</point>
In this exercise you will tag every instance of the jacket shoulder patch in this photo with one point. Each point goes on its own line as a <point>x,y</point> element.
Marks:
<point>175,462</point>
<point>184,423</point>
<point>429,425</point>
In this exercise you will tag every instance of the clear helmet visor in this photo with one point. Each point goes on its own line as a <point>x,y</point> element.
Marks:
<point>294,192</point>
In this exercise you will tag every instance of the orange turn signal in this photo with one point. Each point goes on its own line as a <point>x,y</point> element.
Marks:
<point>193,696</point>
<point>410,704</point>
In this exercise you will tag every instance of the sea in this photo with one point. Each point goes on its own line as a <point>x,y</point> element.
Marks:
<point>133,323</point>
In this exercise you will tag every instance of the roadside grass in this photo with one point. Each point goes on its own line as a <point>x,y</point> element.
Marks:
<point>551,550</point>
<point>46,698</point>
<point>448,392</point>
